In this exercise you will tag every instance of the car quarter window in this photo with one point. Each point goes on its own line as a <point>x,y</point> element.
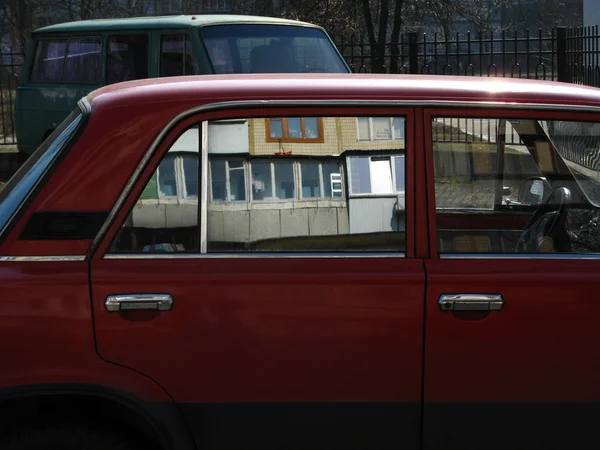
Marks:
<point>276,184</point>
<point>516,186</point>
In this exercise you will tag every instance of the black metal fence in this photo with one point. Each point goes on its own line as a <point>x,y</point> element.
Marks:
<point>560,54</point>
<point>563,54</point>
<point>10,69</point>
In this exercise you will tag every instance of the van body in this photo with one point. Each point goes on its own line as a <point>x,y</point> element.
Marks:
<point>65,62</point>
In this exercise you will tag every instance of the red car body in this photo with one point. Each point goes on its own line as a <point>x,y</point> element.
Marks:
<point>279,352</point>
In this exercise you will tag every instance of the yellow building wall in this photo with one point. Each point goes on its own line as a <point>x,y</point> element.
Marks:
<point>340,134</point>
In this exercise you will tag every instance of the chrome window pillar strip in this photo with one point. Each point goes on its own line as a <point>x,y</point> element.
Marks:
<point>247,104</point>
<point>204,187</point>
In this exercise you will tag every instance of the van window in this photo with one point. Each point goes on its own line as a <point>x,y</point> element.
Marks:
<point>177,56</point>
<point>127,58</point>
<point>270,49</point>
<point>82,63</point>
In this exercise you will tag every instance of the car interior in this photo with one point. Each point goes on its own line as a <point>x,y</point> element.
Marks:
<point>536,208</point>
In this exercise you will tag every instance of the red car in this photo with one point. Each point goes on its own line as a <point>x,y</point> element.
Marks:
<point>306,262</point>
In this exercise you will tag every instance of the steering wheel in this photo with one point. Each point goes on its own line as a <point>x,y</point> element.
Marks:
<point>544,224</point>
<point>547,186</point>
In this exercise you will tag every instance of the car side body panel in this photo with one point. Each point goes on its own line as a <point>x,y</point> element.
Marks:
<point>48,345</point>
<point>353,333</point>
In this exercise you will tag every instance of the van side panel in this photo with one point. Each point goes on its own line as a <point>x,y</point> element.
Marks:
<point>41,107</point>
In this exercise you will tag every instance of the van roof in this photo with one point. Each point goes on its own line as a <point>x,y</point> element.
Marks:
<point>180,21</point>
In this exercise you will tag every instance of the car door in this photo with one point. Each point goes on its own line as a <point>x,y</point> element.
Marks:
<point>511,348</point>
<point>261,270</point>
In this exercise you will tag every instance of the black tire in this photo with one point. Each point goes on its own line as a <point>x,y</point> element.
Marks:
<point>67,437</point>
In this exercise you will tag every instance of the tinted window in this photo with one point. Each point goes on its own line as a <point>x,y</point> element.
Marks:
<point>127,58</point>
<point>270,48</point>
<point>21,184</point>
<point>75,60</point>
<point>177,56</point>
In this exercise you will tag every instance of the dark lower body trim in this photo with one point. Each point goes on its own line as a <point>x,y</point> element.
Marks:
<point>512,426</point>
<point>305,426</point>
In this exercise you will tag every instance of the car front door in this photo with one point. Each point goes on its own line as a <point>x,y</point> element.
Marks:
<point>511,349</point>
<point>262,271</point>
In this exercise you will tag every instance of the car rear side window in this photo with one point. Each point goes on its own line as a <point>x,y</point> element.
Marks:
<point>29,174</point>
<point>127,58</point>
<point>75,60</point>
<point>331,194</point>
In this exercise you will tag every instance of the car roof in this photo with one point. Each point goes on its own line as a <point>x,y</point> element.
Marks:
<point>431,89</point>
<point>180,21</point>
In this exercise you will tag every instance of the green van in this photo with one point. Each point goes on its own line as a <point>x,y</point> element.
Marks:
<point>67,61</point>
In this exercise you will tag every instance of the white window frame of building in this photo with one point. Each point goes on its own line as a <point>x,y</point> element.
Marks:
<point>180,185</point>
<point>392,164</point>
<point>336,185</point>
<point>322,180</point>
<point>371,137</point>
<point>228,199</point>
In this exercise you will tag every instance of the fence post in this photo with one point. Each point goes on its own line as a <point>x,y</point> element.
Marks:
<point>413,53</point>
<point>562,58</point>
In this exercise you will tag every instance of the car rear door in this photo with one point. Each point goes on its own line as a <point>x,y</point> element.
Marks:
<point>262,271</point>
<point>511,348</point>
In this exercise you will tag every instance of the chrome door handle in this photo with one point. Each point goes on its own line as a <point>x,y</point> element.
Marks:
<point>471,302</point>
<point>139,302</point>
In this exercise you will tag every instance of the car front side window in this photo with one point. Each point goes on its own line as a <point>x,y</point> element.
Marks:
<point>516,185</point>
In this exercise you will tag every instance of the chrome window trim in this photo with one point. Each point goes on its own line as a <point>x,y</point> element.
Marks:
<point>284,255</point>
<point>532,256</point>
<point>42,258</point>
<point>204,186</point>
<point>218,106</point>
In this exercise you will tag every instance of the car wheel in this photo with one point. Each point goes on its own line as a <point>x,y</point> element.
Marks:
<point>67,437</point>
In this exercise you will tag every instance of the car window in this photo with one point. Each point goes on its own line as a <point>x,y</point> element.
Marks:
<point>270,48</point>
<point>29,174</point>
<point>516,185</point>
<point>165,217</point>
<point>324,190</point>
<point>177,56</point>
<point>578,143</point>
<point>127,58</point>
<point>75,60</point>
